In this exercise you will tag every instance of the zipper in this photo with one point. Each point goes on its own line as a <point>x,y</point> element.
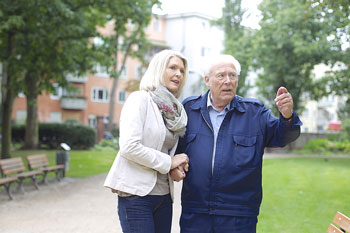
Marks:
<point>212,154</point>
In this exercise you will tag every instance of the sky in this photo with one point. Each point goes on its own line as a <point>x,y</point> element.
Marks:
<point>212,8</point>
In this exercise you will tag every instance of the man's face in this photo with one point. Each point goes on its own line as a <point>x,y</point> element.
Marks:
<point>222,82</point>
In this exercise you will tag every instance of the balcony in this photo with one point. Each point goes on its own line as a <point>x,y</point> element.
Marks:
<point>76,79</point>
<point>73,103</point>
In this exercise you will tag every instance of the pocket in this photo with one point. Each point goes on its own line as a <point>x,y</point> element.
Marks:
<point>244,151</point>
<point>130,198</point>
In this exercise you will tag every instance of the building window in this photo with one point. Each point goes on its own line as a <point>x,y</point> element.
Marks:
<point>121,97</point>
<point>156,25</point>
<point>21,116</point>
<point>205,51</point>
<point>140,70</point>
<point>92,121</point>
<point>101,71</point>
<point>124,73</point>
<point>99,94</point>
<point>55,117</point>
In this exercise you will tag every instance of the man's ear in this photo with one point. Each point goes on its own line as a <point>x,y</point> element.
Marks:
<point>206,80</point>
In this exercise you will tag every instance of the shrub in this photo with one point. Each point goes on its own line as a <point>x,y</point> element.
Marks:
<point>324,146</point>
<point>51,135</point>
<point>107,145</point>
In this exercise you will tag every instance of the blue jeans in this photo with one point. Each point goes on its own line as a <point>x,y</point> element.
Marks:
<point>205,223</point>
<point>148,214</point>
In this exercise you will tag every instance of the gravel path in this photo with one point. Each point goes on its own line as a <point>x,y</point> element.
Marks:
<point>69,206</point>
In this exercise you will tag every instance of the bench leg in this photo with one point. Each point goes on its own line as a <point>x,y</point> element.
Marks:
<point>20,185</point>
<point>8,191</point>
<point>44,178</point>
<point>35,183</point>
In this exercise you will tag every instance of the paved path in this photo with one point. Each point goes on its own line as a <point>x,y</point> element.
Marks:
<point>69,206</point>
<point>73,206</point>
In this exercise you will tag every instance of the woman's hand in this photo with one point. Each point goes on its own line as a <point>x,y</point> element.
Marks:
<point>178,173</point>
<point>178,160</point>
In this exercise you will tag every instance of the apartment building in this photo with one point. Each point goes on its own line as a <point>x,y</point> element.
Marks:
<point>321,116</point>
<point>196,38</point>
<point>89,99</point>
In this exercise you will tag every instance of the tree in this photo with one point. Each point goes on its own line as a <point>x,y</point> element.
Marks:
<point>337,13</point>
<point>12,81</point>
<point>293,39</point>
<point>238,39</point>
<point>44,41</point>
<point>129,25</point>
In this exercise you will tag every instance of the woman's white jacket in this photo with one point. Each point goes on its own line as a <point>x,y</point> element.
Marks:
<point>142,134</point>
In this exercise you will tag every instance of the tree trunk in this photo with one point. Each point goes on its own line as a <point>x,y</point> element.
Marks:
<point>115,81</point>
<point>112,104</point>
<point>32,129</point>
<point>6,124</point>
<point>114,86</point>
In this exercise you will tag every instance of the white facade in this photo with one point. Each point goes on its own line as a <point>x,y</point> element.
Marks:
<point>318,114</point>
<point>193,36</point>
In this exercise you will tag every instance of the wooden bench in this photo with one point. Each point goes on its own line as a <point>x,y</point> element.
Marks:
<point>13,169</point>
<point>40,162</point>
<point>343,223</point>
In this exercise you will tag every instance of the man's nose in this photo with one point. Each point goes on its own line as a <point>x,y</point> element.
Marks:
<point>227,78</point>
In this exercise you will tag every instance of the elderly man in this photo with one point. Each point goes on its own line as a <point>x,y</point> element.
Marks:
<point>225,140</point>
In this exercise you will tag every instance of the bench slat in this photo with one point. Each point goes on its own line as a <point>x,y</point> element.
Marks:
<point>342,221</point>
<point>334,229</point>
<point>11,165</point>
<point>37,161</point>
<point>29,174</point>
<point>8,179</point>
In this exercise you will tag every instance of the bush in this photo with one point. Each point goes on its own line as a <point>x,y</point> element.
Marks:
<point>326,146</point>
<point>107,145</point>
<point>51,135</point>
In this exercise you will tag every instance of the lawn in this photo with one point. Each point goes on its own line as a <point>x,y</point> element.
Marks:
<point>303,194</point>
<point>81,163</point>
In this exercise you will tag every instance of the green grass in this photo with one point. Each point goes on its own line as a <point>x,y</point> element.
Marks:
<point>303,194</point>
<point>81,163</point>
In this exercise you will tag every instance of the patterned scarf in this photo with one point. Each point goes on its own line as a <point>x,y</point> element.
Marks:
<point>174,115</point>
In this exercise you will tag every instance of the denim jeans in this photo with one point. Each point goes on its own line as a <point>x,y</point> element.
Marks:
<point>205,223</point>
<point>148,214</point>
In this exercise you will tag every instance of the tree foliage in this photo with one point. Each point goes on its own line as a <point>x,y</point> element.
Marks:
<point>128,40</point>
<point>41,42</point>
<point>338,78</point>
<point>293,39</point>
<point>238,40</point>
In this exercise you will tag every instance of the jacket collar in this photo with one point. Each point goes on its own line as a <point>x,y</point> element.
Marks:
<point>236,103</point>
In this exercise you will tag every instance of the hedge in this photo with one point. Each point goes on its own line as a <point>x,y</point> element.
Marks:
<point>77,136</point>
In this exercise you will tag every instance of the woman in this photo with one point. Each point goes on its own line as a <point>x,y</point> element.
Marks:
<point>151,122</point>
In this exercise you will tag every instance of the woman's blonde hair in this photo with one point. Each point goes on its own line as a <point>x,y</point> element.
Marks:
<point>154,75</point>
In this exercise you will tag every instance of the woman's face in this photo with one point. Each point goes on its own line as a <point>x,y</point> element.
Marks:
<point>174,74</point>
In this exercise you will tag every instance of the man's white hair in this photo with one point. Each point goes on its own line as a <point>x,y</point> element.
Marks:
<point>218,59</point>
<point>154,75</point>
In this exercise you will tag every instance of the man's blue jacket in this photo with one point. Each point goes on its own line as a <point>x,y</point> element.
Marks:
<point>233,187</point>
